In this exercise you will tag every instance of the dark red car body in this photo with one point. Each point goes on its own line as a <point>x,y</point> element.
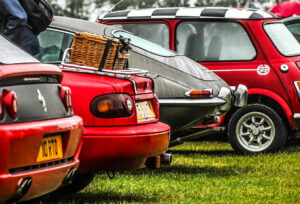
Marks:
<point>40,113</point>
<point>271,76</point>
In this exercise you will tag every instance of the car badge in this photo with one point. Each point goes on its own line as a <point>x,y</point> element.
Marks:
<point>263,69</point>
<point>42,100</point>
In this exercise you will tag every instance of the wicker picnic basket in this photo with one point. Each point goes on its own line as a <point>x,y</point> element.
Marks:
<point>99,51</point>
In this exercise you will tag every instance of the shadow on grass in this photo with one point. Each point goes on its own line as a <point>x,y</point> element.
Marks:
<point>93,197</point>
<point>206,171</point>
<point>204,152</point>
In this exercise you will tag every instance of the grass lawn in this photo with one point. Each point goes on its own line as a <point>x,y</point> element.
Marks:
<point>203,171</point>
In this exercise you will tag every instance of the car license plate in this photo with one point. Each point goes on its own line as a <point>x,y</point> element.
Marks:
<point>51,148</point>
<point>144,110</point>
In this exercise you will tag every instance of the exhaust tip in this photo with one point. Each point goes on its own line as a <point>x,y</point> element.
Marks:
<point>69,177</point>
<point>166,159</point>
<point>24,185</point>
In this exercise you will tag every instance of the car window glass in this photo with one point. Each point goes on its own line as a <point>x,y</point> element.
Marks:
<point>283,39</point>
<point>155,32</point>
<point>145,44</point>
<point>214,41</point>
<point>295,29</point>
<point>53,44</point>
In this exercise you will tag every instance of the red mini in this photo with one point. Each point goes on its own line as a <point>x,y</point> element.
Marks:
<point>242,46</point>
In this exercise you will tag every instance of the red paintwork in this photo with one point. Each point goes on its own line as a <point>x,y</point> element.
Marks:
<point>276,85</point>
<point>115,143</point>
<point>28,69</point>
<point>20,143</point>
<point>286,8</point>
<point>121,148</point>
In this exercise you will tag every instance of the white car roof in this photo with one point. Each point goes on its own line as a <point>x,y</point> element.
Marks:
<point>188,13</point>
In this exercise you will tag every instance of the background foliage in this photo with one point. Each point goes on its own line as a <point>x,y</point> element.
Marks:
<point>84,8</point>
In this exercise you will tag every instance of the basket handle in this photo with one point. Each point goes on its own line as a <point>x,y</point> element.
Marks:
<point>105,53</point>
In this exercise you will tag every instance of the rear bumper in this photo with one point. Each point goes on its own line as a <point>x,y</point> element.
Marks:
<point>122,148</point>
<point>20,144</point>
<point>43,181</point>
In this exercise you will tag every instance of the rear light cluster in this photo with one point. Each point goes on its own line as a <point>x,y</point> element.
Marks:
<point>10,102</point>
<point>65,95</point>
<point>199,93</point>
<point>112,106</point>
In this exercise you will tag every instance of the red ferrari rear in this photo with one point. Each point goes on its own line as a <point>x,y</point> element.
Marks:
<point>40,139</point>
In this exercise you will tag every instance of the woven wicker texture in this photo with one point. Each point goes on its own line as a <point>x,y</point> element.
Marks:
<point>90,50</point>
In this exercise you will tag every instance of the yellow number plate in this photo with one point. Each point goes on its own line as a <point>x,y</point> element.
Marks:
<point>144,110</point>
<point>51,148</point>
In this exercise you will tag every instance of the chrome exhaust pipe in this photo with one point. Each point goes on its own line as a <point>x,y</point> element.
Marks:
<point>166,159</point>
<point>69,177</point>
<point>24,185</point>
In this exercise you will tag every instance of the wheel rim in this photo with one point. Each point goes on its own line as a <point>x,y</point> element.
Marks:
<point>255,131</point>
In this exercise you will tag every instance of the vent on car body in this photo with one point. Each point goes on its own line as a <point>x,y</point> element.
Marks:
<point>40,166</point>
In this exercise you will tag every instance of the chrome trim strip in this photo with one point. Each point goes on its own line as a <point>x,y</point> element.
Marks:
<point>232,70</point>
<point>296,116</point>
<point>192,102</point>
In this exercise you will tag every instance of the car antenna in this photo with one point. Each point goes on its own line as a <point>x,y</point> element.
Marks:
<point>114,6</point>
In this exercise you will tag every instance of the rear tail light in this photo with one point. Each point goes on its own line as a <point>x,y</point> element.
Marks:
<point>11,103</point>
<point>112,106</point>
<point>65,95</point>
<point>199,93</point>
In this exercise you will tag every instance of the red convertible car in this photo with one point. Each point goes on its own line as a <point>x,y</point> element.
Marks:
<point>40,138</point>
<point>242,46</point>
<point>120,113</point>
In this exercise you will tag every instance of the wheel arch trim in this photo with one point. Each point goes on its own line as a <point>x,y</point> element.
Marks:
<point>277,98</point>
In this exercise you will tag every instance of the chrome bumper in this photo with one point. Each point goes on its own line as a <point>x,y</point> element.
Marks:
<point>241,96</point>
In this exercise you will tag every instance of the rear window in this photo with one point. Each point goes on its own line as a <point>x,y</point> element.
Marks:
<point>155,32</point>
<point>283,39</point>
<point>53,44</point>
<point>295,30</point>
<point>214,41</point>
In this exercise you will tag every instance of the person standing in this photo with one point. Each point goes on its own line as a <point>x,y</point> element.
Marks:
<point>13,24</point>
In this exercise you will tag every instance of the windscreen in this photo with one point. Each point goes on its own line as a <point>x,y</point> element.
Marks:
<point>283,39</point>
<point>145,44</point>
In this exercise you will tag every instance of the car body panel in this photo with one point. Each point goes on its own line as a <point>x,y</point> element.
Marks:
<point>174,75</point>
<point>21,138</point>
<point>248,72</point>
<point>113,143</point>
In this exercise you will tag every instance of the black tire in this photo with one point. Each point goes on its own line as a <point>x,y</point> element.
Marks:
<point>79,182</point>
<point>256,128</point>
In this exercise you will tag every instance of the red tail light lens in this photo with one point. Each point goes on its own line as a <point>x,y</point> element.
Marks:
<point>200,93</point>
<point>66,97</point>
<point>112,106</point>
<point>11,103</point>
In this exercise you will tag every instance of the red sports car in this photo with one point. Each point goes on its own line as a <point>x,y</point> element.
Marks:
<point>40,137</point>
<point>120,113</point>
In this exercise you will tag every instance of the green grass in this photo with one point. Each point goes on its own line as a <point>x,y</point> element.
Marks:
<point>203,172</point>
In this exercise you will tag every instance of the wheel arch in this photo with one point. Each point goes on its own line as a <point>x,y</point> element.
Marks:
<point>272,100</point>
